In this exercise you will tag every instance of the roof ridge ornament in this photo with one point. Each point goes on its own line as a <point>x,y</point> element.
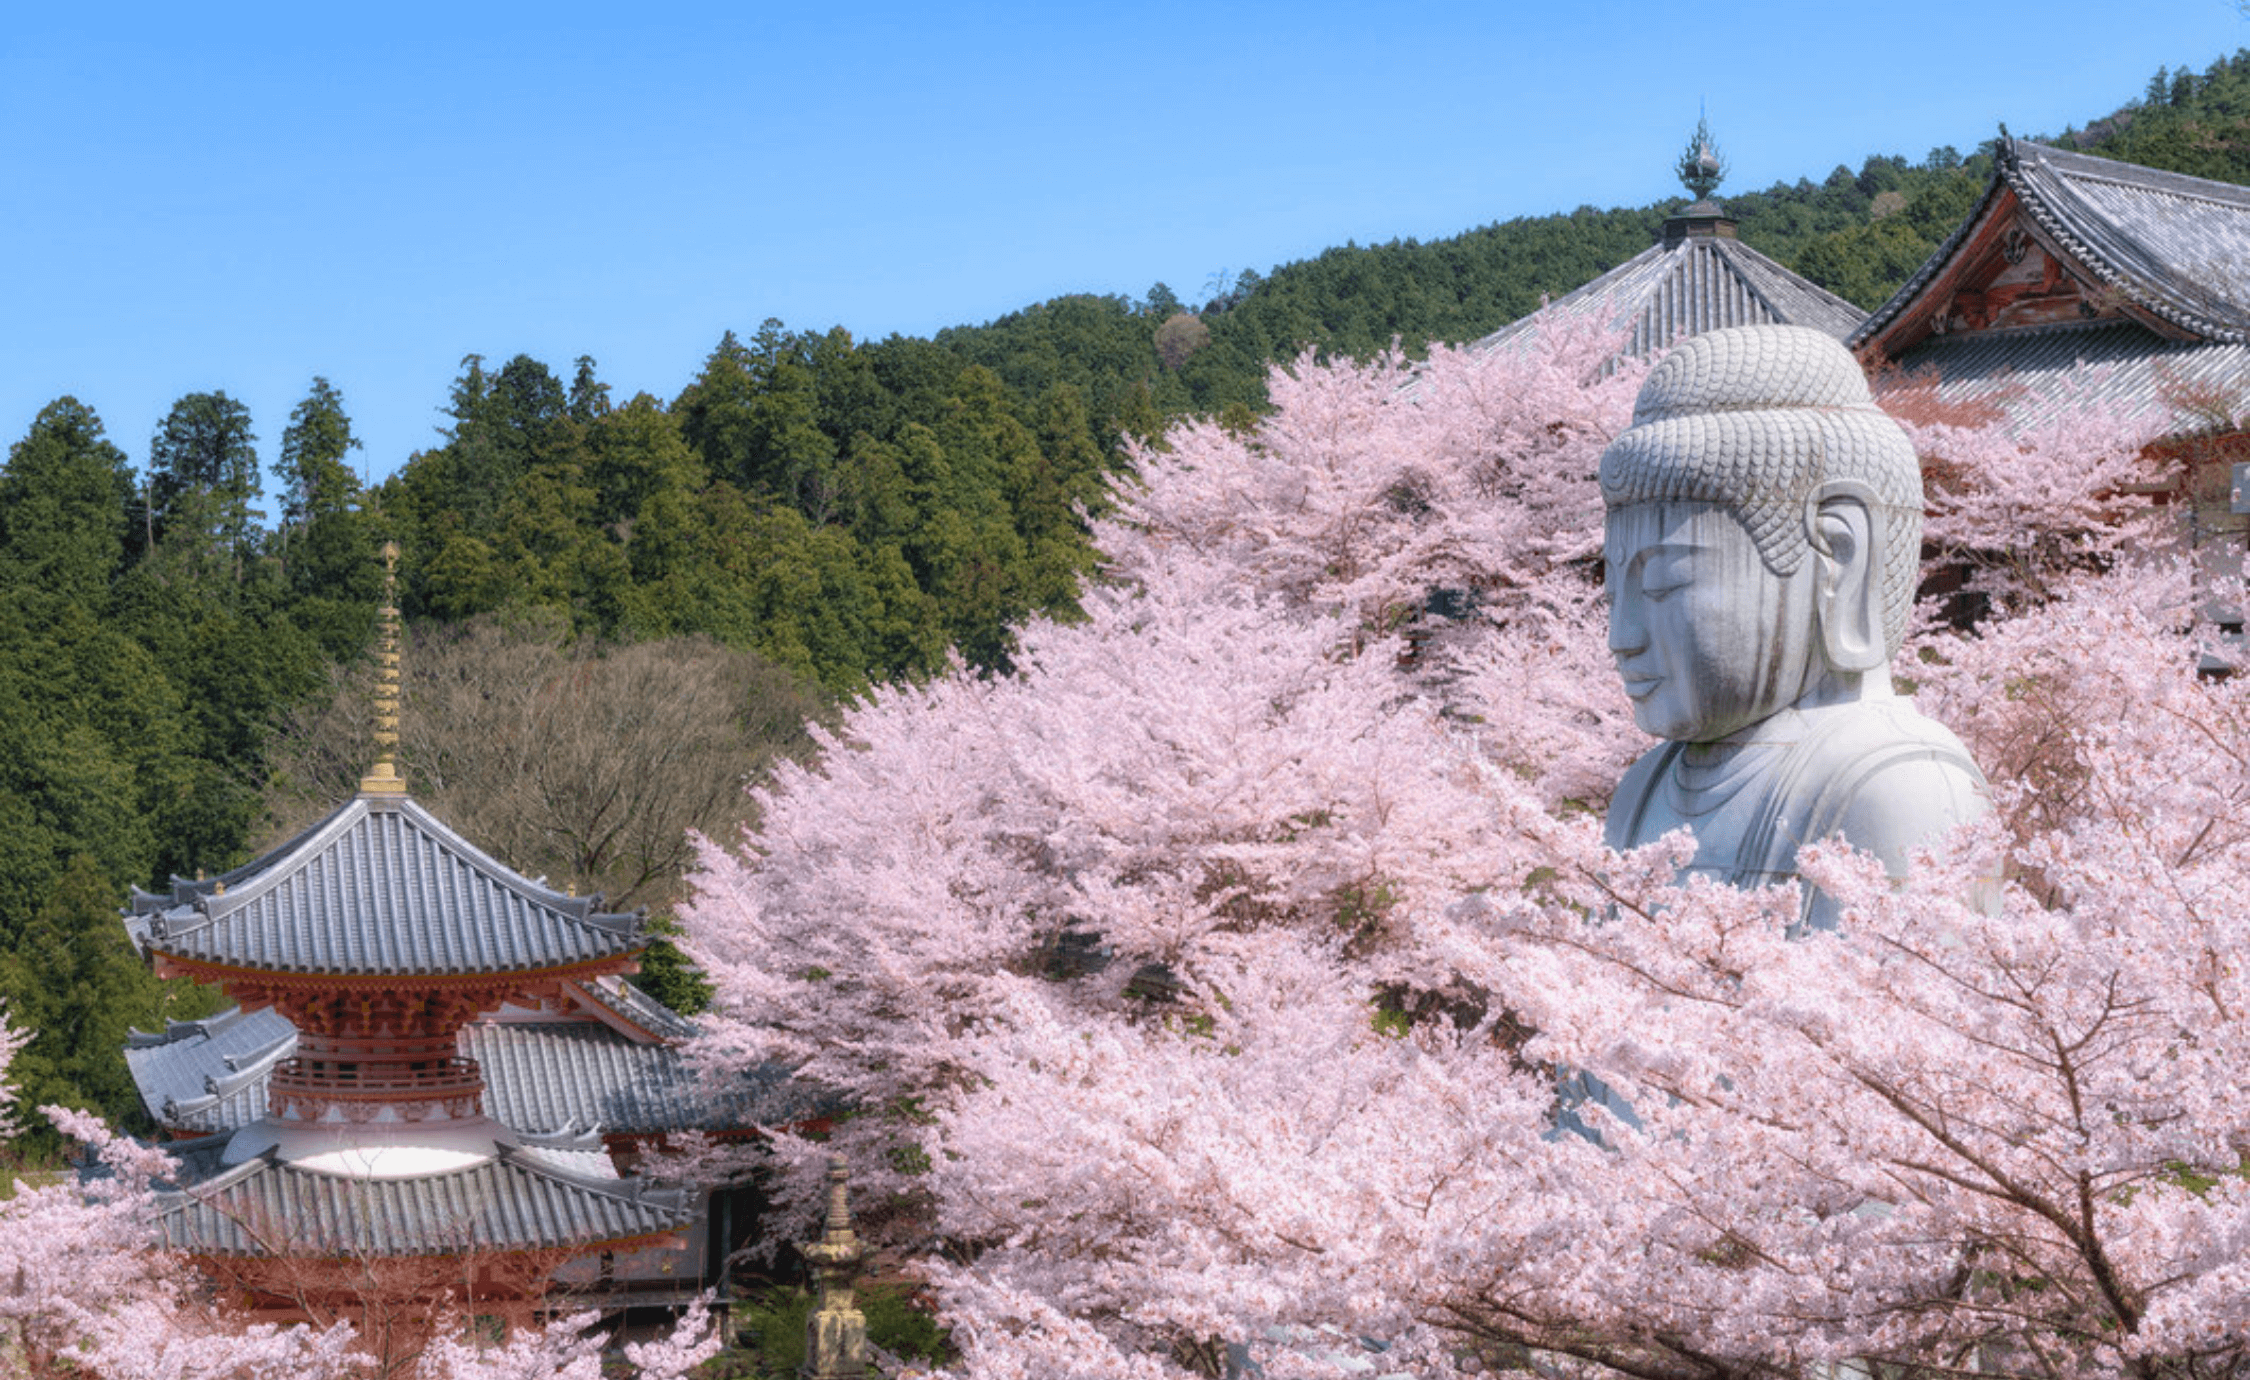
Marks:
<point>1701,168</point>
<point>2005,149</point>
<point>384,779</point>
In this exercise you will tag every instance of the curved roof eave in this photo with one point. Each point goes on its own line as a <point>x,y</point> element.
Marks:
<point>380,888</point>
<point>1921,278</point>
<point>513,1202</point>
<point>2118,258</point>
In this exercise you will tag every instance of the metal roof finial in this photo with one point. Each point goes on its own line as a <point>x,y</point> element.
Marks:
<point>384,779</point>
<point>1702,168</point>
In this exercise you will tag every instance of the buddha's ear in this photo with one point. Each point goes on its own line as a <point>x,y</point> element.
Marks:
<point>1844,524</point>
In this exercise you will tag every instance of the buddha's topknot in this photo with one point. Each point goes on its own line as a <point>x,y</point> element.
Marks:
<point>1755,419</point>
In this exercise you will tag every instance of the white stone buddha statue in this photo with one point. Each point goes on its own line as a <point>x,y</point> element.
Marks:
<point>1763,543</point>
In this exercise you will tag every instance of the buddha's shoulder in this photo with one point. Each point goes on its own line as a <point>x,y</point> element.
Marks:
<point>1875,772</point>
<point>1879,736</point>
<point>1883,777</point>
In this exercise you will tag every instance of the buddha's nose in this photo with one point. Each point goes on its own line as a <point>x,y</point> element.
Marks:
<point>1628,634</point>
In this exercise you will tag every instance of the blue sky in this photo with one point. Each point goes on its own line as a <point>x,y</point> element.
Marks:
<point>240,197</point>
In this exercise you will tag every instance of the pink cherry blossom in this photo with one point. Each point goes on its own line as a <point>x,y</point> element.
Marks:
<point>1218,985</point>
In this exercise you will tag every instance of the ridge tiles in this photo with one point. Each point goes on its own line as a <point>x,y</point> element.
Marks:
<point>1694,284</point>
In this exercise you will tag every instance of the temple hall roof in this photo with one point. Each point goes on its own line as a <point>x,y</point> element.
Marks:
<point>380,888</point>
<point>549,1075</point>
<point>2077,280</point>
<point>515,1201</point>
<point>2170,250</point>
<point>620,1002</point>
<point>2038,375</point>
<point>1696,278</point>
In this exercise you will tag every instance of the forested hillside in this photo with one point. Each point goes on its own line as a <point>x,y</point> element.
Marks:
<point>832,513</point>
<point>847,511</point>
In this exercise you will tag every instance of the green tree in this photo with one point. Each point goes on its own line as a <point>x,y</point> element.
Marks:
<point>754,415</point>
<point>74,979</point>
<point>70,791</point>
<point>312,467</point>
<point>635,453</point>
<point>874,500</point>
<point>504,425</point>
<point>714,410</point>
<point>1866,263</point>
<point>1066,478</point>
<point>2188,123</point>
<point>461,578</point>
<point>64,498</point>
<point>203,476</point>
<point>852,398</point>
<point>326,541</point>
<point>550,551</point>
<point>969,551</point>
<point>589,396</point>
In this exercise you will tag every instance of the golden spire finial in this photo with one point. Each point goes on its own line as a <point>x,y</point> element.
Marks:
<point>384,778</point>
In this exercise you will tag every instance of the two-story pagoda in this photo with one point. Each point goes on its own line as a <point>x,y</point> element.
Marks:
<point>378,935</point>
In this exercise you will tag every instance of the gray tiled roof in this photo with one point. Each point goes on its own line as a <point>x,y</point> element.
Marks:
<point>622,998</point>
<point>1690,285</point>
<point>379,889</point>
<point>2035,375</point>
<point>541,1077</point>
<point>512,1202</point>
<point>2177,247</point>
<point>210,1075</point>
<point>548,1075</point>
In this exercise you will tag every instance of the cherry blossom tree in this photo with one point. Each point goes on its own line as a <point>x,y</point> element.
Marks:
<point>1225,744</point>
<point>1373,483</point>
<point>2022,506</point>
<point>569,1348</point>
<point>1198,820</point>
<point>84,1291</point>
<point>2010,1142</point>
<point>1216,989</point>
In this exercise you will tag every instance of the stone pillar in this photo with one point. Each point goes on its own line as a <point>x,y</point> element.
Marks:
<point>836,1333</point>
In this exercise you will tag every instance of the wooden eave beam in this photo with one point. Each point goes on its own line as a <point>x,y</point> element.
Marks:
<point>575,999</point>
<point>1975,261</point>
<point>2093,289</point>
<point>1911,325</point>
<point>213,1261</point>
<point>525,979</point>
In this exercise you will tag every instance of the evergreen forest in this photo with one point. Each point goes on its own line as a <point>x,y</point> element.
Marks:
<point>184,630</point>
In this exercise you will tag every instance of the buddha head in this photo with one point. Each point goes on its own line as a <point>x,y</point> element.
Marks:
<point>1763,537</point>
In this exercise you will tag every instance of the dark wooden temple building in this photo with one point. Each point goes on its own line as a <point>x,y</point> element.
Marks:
<point>2079,278</point>
<point>2074,260</point>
